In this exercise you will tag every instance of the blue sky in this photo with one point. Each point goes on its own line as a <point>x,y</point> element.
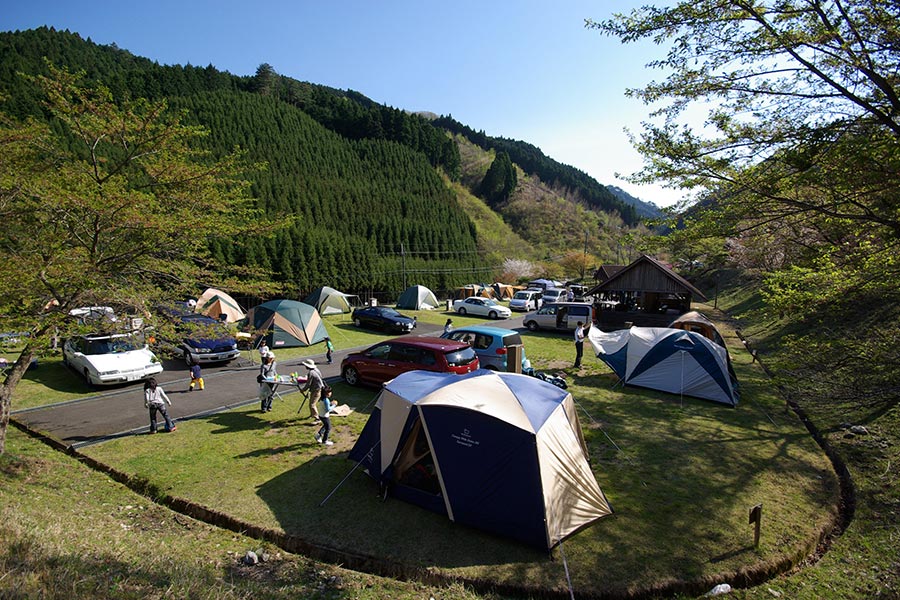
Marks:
<point>527,70</point>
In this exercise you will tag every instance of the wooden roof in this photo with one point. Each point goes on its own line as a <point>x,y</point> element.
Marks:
<point>646,274</point>
<point>604,273</point>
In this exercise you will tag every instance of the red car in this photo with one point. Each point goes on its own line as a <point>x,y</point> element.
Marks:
<point>384,361</point>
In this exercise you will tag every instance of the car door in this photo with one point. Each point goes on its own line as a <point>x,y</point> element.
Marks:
<point>376,364</point>
<point>546,316</point>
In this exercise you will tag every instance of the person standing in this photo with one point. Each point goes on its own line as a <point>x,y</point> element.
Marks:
<point>579,344</point>
<point>324,415</point>
<point>266,388</point>
<point>448,326</point>
<point>196,377</point>
<point>156,399</point>
<point>329,349</point>
<point>314,385</point>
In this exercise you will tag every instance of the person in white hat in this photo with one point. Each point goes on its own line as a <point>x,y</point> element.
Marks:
<point>314,385</point>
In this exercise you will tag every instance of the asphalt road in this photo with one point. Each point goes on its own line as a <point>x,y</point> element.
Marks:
<point>120,411</point>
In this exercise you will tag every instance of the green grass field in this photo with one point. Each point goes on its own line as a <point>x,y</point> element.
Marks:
<point>681,474</point>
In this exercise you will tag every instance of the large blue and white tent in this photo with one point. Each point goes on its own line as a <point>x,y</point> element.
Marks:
<point>667,359</point>
<point>501,452</point>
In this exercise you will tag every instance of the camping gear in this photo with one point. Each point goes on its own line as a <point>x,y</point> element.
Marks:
<point>669,360</point>
<point>502,291</point>
<point>417,297</point>
<point>287,323</point>
<point>501,452</point>
<point>329,301</point>
<point>215,303</point>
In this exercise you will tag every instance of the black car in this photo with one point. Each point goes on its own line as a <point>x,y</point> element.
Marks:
<point>382,317</point>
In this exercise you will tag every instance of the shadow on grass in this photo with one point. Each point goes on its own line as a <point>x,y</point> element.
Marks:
<point>310,502</point>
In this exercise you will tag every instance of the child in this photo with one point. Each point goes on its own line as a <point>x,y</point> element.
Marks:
<point>196,377</point>
<point>329,348</point>
<point>324,411</point>
<point>155,399</point>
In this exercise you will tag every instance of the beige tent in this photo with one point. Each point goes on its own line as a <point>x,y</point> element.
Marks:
<point>215,303</point>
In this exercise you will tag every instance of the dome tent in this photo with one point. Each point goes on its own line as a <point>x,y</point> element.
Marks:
<point>668,360</point>
<point>515,465</point>
<point>287,323</point>
<point>215,303</point>
<point>329,301</point>
<point>418,297</point>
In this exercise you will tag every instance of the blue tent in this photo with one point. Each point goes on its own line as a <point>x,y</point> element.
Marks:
<point>501,452</point>
<point>669,360</point>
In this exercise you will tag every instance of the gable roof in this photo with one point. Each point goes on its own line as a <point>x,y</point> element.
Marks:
<point>647,274</point>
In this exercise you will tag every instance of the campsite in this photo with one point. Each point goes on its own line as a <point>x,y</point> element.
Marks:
<point>680,476</point>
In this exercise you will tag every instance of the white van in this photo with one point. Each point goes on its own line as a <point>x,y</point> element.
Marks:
<point>526,300</point>
<point>552,295</point>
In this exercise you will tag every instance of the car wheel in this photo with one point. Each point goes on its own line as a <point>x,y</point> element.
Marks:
<point>357,322</point>
<point>492,314</point>
<point>351,376</point>
<point>461,311</point>
<point>532,325</point>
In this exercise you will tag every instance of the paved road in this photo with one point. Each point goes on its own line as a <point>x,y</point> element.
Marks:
<point>120,411</point>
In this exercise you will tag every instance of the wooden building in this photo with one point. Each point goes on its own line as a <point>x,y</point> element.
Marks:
<point>646,293</point>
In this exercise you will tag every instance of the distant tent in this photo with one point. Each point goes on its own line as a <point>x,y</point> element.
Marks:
<point>287,323</point>
<point>329,301</point>
<point>502,291</point>
<point>669,360</point>
<point>417,297</point>
<point>544,284</point>
<point>474,289</point>
<point>699,323</point>
<point>501,452</point>
<point>216,303</point>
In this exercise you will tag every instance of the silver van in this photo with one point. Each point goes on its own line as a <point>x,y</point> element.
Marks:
<point>526,300</point>
<point>554,295</point>
<point>561,316</point>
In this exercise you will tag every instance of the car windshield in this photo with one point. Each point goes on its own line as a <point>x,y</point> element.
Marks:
<point>390,312</point>
<point>490,302</point>
<point>522,296</point>
<point>460,357</point>
<point>113,345</point>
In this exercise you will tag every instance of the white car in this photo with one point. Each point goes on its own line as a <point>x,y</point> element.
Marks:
<point>110,359</point>
<point>485,307</point>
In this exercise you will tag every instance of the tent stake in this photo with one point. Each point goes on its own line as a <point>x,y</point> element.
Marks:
<point>347,476</point>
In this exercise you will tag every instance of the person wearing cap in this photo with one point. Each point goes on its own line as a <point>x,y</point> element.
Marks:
<point>266,389</point>
<point>314,385</point>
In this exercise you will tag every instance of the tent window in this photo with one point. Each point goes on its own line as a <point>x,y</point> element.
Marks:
<point>415,465</point>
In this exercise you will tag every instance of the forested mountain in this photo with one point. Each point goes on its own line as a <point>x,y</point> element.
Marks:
<point>644,209</point>
<point>364,181</point>
<point>534,162</point>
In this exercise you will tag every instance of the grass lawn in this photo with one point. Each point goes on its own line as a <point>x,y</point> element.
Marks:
<point>681,475</point>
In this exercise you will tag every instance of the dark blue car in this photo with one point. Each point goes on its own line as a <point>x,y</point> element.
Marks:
<point>203,339</point>
<point>384,318</point>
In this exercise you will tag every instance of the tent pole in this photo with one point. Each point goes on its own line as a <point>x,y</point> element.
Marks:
<point>347,476</point>
<point>682,379</point>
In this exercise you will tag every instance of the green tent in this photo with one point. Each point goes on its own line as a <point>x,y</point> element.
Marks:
<point>287,323</point>
<point>329,301</point>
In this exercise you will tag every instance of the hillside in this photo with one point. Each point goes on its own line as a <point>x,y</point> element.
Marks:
<point>548,220</point>
<point>644,209</point>
<point>385,179</point>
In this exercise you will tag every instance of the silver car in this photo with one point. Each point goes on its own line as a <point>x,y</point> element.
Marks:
<point>561,316</point>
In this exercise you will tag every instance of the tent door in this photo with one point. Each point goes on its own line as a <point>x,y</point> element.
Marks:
<point>414,466</point>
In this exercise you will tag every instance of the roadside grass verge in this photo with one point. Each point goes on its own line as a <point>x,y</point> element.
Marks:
<point>681,474</point>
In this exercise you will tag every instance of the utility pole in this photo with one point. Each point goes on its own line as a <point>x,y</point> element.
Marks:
<point>584,256</point>
<point>403,263</point>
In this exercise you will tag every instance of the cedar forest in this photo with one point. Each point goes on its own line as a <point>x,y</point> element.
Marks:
<point>362,185</point>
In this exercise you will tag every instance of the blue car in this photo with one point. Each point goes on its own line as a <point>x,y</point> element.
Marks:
<point>203,340</point>
<point>491,344</point>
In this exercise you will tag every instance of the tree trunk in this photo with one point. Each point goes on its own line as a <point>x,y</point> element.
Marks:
<point>13,376</point>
